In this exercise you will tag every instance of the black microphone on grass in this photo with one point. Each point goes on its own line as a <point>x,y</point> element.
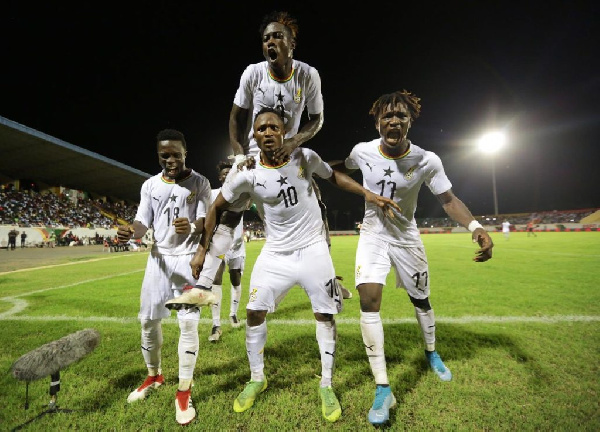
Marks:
<point>51,358</point>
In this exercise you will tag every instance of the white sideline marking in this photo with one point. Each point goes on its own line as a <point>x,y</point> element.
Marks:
<point>19,305</point>
<point>551,319</point>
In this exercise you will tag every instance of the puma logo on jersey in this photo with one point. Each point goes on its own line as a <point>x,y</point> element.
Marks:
<point>190,198</point>
<point>154,198</point>
<point>262,184</point>
<point>261,90</point>
<point>411,172</point>
<point>370,166</point>
<point>298,96</point>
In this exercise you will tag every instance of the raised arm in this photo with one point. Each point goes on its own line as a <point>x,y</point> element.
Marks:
<point>238,130</point>
<point>306,132</point>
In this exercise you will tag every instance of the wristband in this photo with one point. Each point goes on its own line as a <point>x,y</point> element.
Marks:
<point>474,225</point>
<point>193,228</point>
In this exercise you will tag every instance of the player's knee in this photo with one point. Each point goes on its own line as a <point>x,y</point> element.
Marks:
<point>370,297</point>
<point>322,317</point>
<point>255,318</point>
<point>235,276</point>
<point>421,303</point>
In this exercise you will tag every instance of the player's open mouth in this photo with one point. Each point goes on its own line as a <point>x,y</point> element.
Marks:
<point>394,135</point>
<point>272,54</point>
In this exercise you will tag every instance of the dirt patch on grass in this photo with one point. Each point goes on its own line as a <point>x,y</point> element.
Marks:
<point>21,258</point>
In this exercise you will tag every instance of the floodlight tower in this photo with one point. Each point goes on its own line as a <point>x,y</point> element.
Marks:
<point>490,143</point>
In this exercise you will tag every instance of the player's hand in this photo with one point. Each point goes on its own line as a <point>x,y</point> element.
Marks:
<point>182,225</point>
<point>481,237</point>
<point>124,233</point>
<point>197,262</point>
<point>283,153</point>
<point>249,163</point>
<point>387,205</point>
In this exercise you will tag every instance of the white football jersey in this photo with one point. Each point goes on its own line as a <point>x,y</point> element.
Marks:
<point>258,90</point>
<point>285,199</point>
<point>400,179</point>
<point>163,200</point>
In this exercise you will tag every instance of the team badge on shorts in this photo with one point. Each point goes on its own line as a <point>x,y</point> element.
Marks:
<point>252,295</point>
<point>190,198</point>
<point>298,96</point>
<point>357,271</point>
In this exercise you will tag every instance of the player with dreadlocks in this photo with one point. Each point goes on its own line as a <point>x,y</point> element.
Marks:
<point>393,167</point>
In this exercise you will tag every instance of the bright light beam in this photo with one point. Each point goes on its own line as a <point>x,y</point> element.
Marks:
<point>491,142</point>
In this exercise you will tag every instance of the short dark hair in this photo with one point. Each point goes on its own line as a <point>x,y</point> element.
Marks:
<point>268,110</point>
<point>280,17</point>
<point>410,100</point>
<point>223,165</point>
<point>171,135</point>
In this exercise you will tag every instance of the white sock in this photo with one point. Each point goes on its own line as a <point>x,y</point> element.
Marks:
<point>372,333</point>
<point>216,307</point>
<point>152,340</point>
<point>426,320</point>
<point>326,338</point>
<point>187,349</point>
<point>236,295</point>
<point>256,338</point>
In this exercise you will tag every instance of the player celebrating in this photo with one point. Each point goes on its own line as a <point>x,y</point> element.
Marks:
<point>295,252</point>
<point>392,166</point>
<point>174,203</point>
<point>280,82</point>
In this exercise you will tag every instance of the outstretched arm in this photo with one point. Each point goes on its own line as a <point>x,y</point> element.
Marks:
<point>345,182</point>
<point>458,211</point>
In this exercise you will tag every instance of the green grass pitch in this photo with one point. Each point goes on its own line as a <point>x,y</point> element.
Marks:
<point>521,334</point>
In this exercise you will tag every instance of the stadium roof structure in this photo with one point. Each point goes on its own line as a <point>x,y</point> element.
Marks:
<point>33,155</point>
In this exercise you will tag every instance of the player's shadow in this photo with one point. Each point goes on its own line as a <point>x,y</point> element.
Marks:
<point>404,346</point>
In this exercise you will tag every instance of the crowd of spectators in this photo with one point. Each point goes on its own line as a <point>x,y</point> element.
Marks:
<point>30,209</point>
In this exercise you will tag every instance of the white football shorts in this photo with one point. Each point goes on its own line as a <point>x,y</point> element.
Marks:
<point>219,245</point>
<point>275,273</point>
<point>374,258</point>
<point>165,277</point>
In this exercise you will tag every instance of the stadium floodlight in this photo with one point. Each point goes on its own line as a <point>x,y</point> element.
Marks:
<point>490,143</point>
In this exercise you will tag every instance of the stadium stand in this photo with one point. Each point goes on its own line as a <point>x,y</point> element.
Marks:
<point>50,186</point>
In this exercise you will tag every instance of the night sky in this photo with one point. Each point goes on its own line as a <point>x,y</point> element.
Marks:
<point>107,76</point>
